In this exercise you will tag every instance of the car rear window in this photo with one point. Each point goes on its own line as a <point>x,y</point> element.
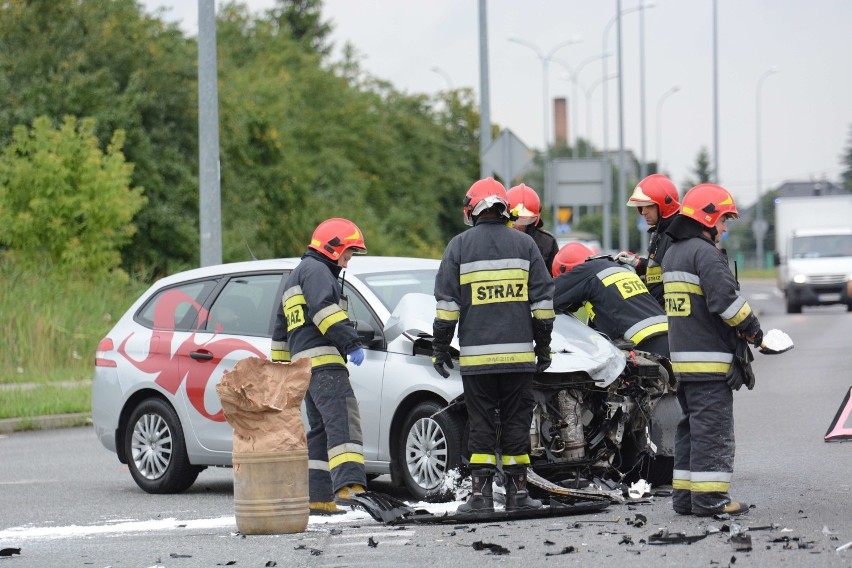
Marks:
<point>176,307</point>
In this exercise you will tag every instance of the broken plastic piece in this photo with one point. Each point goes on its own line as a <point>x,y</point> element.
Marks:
<point>665,537</point>
<point>639,489</point>
<point>741,541</point>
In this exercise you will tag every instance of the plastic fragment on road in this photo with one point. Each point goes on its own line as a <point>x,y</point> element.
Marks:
<point>665,537</point>
<point>639,489</point>
<point>741,541</point>
<point>842,547</point>
<point>840,429</point>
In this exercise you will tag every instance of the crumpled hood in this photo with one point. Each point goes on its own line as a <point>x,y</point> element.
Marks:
<point>575,346</point>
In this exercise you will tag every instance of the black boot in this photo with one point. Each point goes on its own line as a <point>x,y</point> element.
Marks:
<point>517,496</point>
<point>481,499</point>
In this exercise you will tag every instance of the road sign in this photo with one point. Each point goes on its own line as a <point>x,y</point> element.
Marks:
<point>507,156</point>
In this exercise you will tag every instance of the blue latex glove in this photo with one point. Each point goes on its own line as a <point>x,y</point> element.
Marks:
<point>357,356</point>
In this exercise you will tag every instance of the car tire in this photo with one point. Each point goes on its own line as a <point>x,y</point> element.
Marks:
<point>793,307</point>
<point>430,446</point>
<point>156,450</point>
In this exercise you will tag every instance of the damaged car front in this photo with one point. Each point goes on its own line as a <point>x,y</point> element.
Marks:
<point>601,410</point>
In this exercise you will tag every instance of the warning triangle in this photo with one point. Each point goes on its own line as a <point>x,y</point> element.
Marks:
<point>841,427</point>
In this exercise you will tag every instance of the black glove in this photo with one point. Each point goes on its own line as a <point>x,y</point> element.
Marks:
<point>441,350</point>
<point>741,372</point>
<point>441,358</point>
<point>542,358</point>
<point>750,330</point>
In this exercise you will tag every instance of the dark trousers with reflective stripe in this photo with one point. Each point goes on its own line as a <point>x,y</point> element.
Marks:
<point>658,344</point>
<point>334,421</point>
<point>511,395</point>
<point>704,447</point>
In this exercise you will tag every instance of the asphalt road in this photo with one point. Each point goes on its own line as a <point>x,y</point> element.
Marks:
<point>65,501</point>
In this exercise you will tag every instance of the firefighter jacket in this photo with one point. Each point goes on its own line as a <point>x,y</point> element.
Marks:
<point>618,303</point>
<point>546,243</point>
<point>704,308</point>
<point>311,322</point>
<point>493,282</point>
<point>650,268</point>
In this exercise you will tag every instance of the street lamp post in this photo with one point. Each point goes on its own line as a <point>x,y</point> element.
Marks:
<point>589,92</point>
<point>622,212</point>
<point>445,75</point>
<point>760,225</point>
<point>664,96</point>
<point>549,198</point>
<point>574,78</point>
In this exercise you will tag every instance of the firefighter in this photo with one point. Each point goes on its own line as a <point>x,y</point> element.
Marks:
<point>312,323</point>
<point>709,323</point>
<point>656,200</point>
<point>492,282</point>
<point>525,207</point>
<point>618,303</point>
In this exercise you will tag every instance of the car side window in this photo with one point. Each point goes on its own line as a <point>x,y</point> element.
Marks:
<point>358,310</point>
<point>245,306</point>
<point>175,308</point>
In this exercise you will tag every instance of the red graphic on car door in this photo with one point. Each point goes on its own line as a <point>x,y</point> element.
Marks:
<point>162,362</point>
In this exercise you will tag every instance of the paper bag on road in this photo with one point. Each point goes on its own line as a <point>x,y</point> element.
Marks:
<point>262,402</point>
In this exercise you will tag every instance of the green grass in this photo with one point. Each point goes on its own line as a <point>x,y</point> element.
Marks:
<point>45,400</point>
<point>52,324</point>
<point>768,274</point>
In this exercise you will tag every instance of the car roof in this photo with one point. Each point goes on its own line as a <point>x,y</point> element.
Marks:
<point>358,265</point>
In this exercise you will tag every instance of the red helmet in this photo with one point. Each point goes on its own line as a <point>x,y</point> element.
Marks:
<point>707,202</point>
<point>524,204</point>
<point>570,256</point>
<point>656,189</point>
<point>483,195</point>
<point>333,236</point>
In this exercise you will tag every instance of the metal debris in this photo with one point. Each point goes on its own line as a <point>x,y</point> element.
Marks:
<point>844,546</point>
<point>492,548</point>
<point>566,550</point>
<point>372,543</point>
<point>10,551</point>
<point>741,542</point>
<point>665,537</point>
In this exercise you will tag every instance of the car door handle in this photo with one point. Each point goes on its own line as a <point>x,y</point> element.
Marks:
<point>201,355</point>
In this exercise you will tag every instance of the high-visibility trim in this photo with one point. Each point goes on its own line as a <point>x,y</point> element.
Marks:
<point>681,276</point>
<point>701,367</point>
<point>544,314</point>
<point>684,484</point>
<point>590,309</point>
<point>700,356</point>
<point>653,274</point>
<point>279,355</point>
<point>497,264</point>
<point>615,276</point>
<point>682,474</point>
<point>328,316</point>
<point>702,476</point>
<point>469,350</point>
<point>675,287</point>
<point>523,459</point>
<point>483,459</point>
<point>323,355</point>
<point>710,487</point>
<point>650,331</point>
<point>737,312</point>
<point>447,306</point>
<point>496,359</point>
<point>318,465</point>
<point>348,447</point>
<point>494,276</point>
<point>447,315</point>
<point>345,458</point>
<point>542,305</point>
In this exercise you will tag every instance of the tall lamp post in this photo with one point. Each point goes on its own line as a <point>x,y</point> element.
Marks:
<point>664,96</point>
<point>445,75</point>
<point>589,92</point>
<point>573,77</point>
<point>545,60</point>
<point>760,225</point>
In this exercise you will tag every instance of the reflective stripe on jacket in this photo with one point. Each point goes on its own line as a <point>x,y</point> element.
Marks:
<point>618,302</point>
<point>310,322</point>
<point>704,309</point>
<point>493,282</point>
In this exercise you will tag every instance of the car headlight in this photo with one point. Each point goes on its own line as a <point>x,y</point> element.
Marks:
<point>800,279</point>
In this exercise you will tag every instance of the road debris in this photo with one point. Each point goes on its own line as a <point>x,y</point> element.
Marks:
<point>492,548</point>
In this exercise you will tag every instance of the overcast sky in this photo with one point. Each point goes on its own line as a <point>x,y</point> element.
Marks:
<point>806,107</point>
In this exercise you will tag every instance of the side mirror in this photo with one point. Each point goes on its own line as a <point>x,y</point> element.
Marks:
<point>368,336</point>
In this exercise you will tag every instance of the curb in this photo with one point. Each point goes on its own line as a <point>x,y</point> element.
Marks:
<point>10,425</point>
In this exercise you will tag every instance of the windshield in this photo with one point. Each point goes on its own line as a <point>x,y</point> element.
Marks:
<point>822,246</point>
<point>390,287</point>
